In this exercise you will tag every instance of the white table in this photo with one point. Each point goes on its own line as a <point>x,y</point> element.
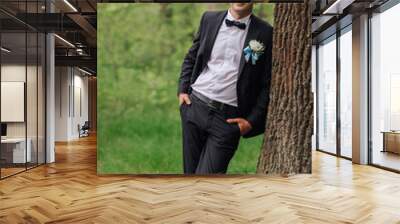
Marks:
<point>19,154</point>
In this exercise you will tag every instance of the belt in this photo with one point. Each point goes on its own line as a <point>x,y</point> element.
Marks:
<point>211,103</point>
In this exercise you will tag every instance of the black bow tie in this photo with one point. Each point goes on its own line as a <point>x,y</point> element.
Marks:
<point>239,25</point>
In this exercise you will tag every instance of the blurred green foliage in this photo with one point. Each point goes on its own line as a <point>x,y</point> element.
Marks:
<point>140,51</point>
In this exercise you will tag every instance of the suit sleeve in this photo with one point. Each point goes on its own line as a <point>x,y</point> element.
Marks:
<point>257,116</point>
<point>189,61</point>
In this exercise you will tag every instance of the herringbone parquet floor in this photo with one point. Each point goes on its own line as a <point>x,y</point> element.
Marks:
<point>69,191</point>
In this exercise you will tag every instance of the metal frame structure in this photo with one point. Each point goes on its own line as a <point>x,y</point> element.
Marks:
<point>44,74</point>
<point>337,35</point>
<point>75,23</point>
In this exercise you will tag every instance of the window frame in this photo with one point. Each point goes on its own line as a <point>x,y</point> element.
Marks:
<point>339,32</point>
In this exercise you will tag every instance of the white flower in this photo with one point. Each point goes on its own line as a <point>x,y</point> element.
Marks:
<point>256,46</point>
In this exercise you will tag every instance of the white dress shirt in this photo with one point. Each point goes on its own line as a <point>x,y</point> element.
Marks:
<point>218,79</point>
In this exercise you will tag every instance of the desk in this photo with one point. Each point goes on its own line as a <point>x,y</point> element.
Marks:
<point>16,147</point>
<point>391,141</point>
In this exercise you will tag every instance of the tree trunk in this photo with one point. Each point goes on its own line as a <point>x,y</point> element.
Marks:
<point>286,148</point>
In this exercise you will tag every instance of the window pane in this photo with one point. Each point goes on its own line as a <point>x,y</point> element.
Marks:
<point>385,84</point>
<point>31,97</point>
<point>327,96</point>
<point>346,94</point>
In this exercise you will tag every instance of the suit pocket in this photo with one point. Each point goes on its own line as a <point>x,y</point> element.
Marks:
<point>233,128</point>
<point>237,128</point>
<point>182,107</point>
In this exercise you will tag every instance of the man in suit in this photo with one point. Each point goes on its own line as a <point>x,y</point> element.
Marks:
<point>223,87</point>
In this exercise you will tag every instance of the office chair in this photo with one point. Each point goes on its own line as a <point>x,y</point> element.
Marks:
<point>84,130</point>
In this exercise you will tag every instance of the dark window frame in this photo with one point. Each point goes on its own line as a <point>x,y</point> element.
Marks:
<point>333,37</point>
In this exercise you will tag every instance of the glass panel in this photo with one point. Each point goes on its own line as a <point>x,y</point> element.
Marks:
<point>13,89</point>
<point>346,94</point>
<point>31,87</point>
<point>314,87</point>
<point>385,89</point>
<point>327,96</point>
<point>23,90</point>
<point>41,99</point>
<point>31,100</point>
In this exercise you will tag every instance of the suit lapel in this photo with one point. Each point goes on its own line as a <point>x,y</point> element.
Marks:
<point>252,34</point>
<point>213,34</point>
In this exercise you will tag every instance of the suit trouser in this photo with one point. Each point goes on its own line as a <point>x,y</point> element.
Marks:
<point>209,142</point>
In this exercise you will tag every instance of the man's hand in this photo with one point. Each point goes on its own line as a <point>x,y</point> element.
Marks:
<point>243,124</point>
<point>184,98</point>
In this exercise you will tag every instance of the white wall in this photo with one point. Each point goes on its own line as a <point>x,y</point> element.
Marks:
<point>10,73</point>
<point>33,126</point>
<point>17,73</point>
<point>80,103</point>
<point>71,93</point>
<point>62,82</point>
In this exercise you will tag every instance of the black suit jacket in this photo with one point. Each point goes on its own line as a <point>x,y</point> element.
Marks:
<point>253,81</point>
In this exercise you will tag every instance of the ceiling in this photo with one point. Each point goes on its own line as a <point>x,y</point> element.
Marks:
<point>73,21</point>
<point>331,15</point>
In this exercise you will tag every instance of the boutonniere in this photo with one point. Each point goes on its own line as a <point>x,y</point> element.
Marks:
<point>254,50</point>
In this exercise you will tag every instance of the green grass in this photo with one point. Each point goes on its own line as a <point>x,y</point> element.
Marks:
<point>152,143</point>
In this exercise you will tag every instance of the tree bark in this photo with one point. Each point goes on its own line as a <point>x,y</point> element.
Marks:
<point>286,149</point>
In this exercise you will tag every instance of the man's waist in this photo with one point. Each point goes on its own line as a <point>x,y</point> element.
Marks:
<point>215,104</point>
<point>223,94</point>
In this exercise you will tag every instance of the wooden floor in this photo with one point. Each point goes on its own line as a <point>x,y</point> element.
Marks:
<point>387,159</point>
<point>69,191</point>
<point>5,172</point>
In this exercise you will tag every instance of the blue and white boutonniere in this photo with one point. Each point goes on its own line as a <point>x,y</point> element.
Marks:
<point>253,51</point>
